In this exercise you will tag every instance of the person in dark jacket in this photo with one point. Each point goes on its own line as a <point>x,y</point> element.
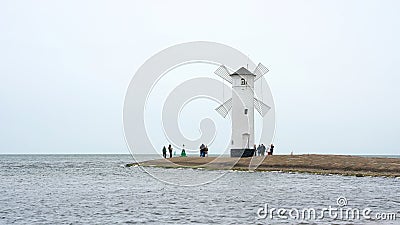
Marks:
<point>170,151</point>
<point>164,152</point>
<point>271,149</point>
<point>202,150</point>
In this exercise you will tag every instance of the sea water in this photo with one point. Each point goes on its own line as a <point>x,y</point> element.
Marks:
<point>99,189</point>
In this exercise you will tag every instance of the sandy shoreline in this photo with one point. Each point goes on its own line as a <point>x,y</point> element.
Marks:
<point>317,164</point>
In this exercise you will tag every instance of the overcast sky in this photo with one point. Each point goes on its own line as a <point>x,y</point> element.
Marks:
<point>65,67</point>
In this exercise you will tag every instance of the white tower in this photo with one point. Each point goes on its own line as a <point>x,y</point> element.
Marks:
<point>242,104</point>
<point>242,109</point>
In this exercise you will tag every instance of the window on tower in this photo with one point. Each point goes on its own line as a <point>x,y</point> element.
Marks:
<point>243,81</point>
<point>245,111</point>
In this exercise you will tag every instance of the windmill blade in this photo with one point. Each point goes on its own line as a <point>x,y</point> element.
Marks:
<point>259,71</point>
<point>224,108</point>
<point>261,107</point>
<point>224,73</point>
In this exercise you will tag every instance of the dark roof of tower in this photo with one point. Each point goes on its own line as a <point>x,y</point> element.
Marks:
<point>242,71</point>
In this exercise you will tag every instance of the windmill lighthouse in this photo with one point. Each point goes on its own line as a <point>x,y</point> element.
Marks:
<point>242,104</point>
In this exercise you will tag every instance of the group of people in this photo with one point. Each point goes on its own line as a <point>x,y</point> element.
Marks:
<point>164,151</point>
<point>203,150</point>
<point>260,150</point>
<point>170,148</point>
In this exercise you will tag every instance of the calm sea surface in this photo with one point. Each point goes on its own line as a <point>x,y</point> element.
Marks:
<point>98,189</point>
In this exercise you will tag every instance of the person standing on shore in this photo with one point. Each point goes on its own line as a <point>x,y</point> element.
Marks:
<point>262,149</point>
<point>255,150</point>
<point>271,149</point>
<point>170,151</point>
<point>202,147</point>
<point>164,152</point>
<point>259,150</point>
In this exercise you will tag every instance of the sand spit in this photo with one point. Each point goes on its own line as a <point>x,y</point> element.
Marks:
<point>317,164</point>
